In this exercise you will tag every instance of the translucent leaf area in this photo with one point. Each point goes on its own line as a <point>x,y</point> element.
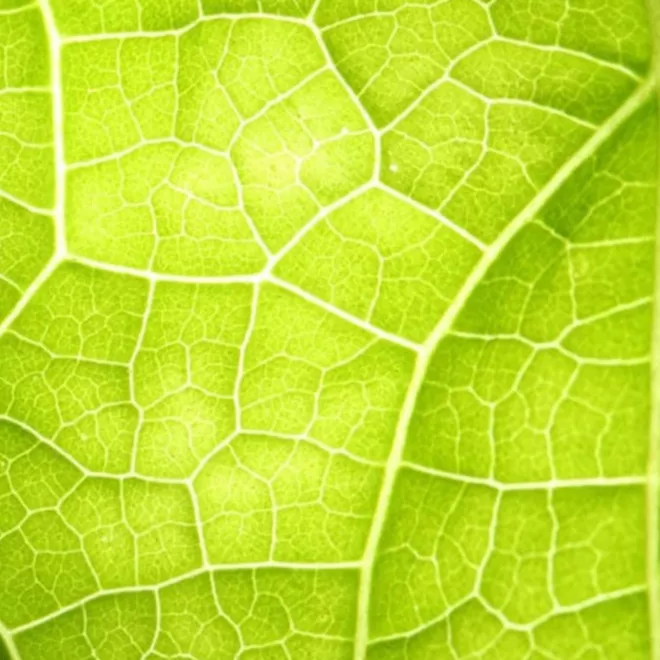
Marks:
<point>327,330</point>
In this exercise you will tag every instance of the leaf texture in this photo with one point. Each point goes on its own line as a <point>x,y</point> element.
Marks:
<point>327,330</point>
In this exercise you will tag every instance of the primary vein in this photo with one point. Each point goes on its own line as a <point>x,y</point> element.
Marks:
<point>445,324</point>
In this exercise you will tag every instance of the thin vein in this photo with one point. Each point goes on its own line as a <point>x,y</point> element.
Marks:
<point>553,484</point>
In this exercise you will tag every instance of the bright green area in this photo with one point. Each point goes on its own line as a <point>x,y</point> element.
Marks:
<point>301,155</point>
<point>615,629</point>
<point>384,261</point>
<point>274,613</point>
<point>288,369</point>
<point>159,208</point>
<point>389,52</point>
<point>479,164</point>
<point>26,132</point>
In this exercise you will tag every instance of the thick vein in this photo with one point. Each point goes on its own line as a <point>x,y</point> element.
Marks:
<point>442,329</point>
<point>58,124</point>
<point>57,214</point>
<point>6,636</point>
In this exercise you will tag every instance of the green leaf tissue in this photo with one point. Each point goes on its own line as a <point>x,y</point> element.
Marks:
<point>329,330</point>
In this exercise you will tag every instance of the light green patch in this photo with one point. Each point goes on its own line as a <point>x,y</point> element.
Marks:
<point>86,313</point>
<point>515,577</point>
<point>478,163</point>
<point>44,568</point>
<point>610,30</point>
<point>299,378</point>
<point>257,512</point>
<point>600,541</point>
<point>431,150</point>
<point>102,440</point>
<point>580,87</point>
<point>452,427</point>
<point>496,643</point>
<point>26,152</point>
<point>383,261</point>
<point>603,405</point>
<point>616,628</point>
<point>24,53</point>
<point>47,392</point>
<point>109,627</point>
<point>299,8</point>
<point>160,207</point>
<point>264,60</point>
<point>142,531</point>
<point>79,17</point>
<point>40,477</point>
<point>26,132</point>
<point>388,54</point>
<point>277,613</point>
<point>306,151</point>
<point>117,93</point>
<point>185,373</point>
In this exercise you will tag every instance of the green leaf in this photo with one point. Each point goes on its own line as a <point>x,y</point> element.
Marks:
<point>327,330</point>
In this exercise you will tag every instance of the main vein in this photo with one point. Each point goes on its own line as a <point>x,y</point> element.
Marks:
<point>442,329</point>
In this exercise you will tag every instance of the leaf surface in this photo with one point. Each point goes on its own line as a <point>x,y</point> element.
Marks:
<point>327,330</point>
